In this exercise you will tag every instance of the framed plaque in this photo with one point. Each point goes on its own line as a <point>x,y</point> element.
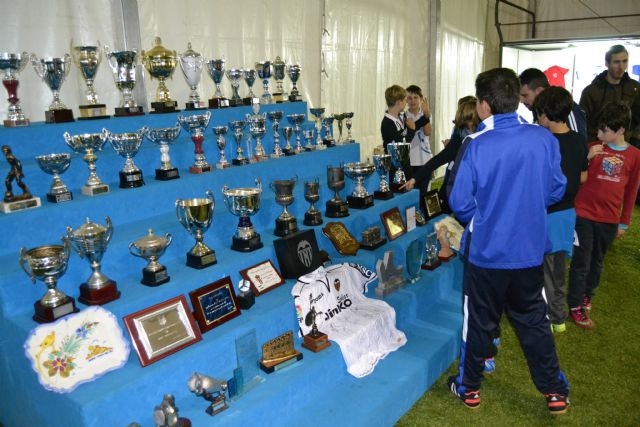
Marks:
<point>393,224</point>
<point>214,304</point>
<point>262,277</point>
<point>161,330</point>
<point>432,204</point>
<point>343,241</point>
<point>410,214</point>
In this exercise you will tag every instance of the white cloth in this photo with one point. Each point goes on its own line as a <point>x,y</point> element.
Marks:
<point>364,328</point>
<point>420,149</point>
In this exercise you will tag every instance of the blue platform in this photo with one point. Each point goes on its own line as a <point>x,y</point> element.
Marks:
<point>316,391</point>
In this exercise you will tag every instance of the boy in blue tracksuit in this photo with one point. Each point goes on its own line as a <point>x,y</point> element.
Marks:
<point>506,175</point>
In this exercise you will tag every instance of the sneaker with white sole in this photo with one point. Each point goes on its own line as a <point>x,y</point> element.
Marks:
<point>471,399</point>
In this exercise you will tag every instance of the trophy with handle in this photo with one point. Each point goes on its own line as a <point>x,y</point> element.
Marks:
<point>286,223</point>
<point>163,138</point>
<point>151,247</point>
<point>12,64</point>
<point>244,203</point>
<point>53,72</point>
<point>127,145</point>
<point>192,64</point>
<point>55,164</point>
<point>196,215</point>
<point>196,124</point>
<point>264,72</point>
<point>87,59</point>
<point>160,63</point>
<point>293,71</point>
<point>238,127</point>
<point>215,68</point>
<point>336,207</point>
<point>123,66</point>
<point>359,171</point>
<point>89,144</point>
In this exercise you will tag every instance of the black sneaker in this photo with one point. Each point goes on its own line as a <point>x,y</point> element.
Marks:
<point>557,403</point>
<point>471,399</point>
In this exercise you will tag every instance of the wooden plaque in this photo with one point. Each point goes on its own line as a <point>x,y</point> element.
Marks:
<point>393,224</point>
<point>214,304</point>
<point>263,277</point>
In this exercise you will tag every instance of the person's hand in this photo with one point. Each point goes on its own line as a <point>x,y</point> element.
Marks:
<point>425,107</point>
<point>620,232</point>
<point>427,129</point>
<point>408,185</point>
<point>445,142</point>
<point>411,124</point>
<point>595,150</point>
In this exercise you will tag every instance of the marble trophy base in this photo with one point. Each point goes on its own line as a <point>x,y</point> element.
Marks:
<point>16,123</point>
<point>312,218</point>
<point>246,245</point>
<point>164,107</point>
<point>131,179</point>
<point>200,105</point>
<point>58,116</point>
<point>396,187</point>
<point>200,169</point>
<point>128,111</point>
<point>105,294</point>
<point>271,367</point>
<point>316,342</point>
<point>20,204</point>
<point>337,209</point>
<point>93,112</point>
<point>218,103</point>
<point>224,165</point>
<point>66,196</point>
<point>246,299</point>
<point>44,314</point>
<point>372,246</point>
<point>431,265</point>
<point>383,195</point>
<point>167,174</point>
<point>201,261</point>
<point>154,278</point>
<point>94,190</point>
<point>237,162</point>
<point>286,227</point>
<point>360,202</point>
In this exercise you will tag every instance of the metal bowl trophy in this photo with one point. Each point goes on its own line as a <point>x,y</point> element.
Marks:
<point>12,64</point>
<point>399,152</point>
<point>317,113</point>
<point>87,59</point>
<point>55,164</point>
<point>244,203</point>
<point>215,67</point>
<point>11,202</point>
<point>382,163</point>
<point>89,143</point>
<point>238,126</point>
<point>296,120</point>
<point>160,63</point>
<point>275,117</point>
<point>192,63</point>
<point>348,123</point>
<point>293,71</point>
<point>258,129</point>
<point>196,125</point>
<point>53,72</point>
<point>336,207</point>
<point>286,223</point>
<point>312,194</point>
<point>327,123</point>
<point>359,171</point>
<point>48,264</point>
<point>264,72</point>
<point>250,78</point>
<point>235,75</point>
<point>151,247</point>
<point>90,240</point>
<point>195,215</point>
<point>220,132</point>
<point>278,75</point>
<point>123,66</point>
<point>164,137</point>
<point>127,146</point>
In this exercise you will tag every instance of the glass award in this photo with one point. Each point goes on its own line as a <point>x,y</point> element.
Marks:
<point>247,375</point>
<point>415,258</point>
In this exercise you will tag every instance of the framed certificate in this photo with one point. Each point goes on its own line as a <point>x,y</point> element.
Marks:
<point>161,330</point>
<point>214,304</point>
<point>262,277</point>
<point>393,224</point>
<point>432,204</point>
<point>410,214</point>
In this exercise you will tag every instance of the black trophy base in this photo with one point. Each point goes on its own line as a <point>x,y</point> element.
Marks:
<point>312,218</point>
<point>396,188</point>
<point>246,245</point>
<point>93,112</point>
<point>329,143</point>
<point>298,254</point>
<point>289,151</point>
<point>131,179</point>
<point>295,98</point>
<point>246,300</point>
<point>250,101</point>
<point>44,314</point>
<point>218,405</point>
<point>372,246</point>
<point>190,106</point>
<point>241,162</point>
<point>167,174</point>
<point>271,367</point>
<point>201,261</point>
<point>60,197</point>
<point>383,195</point>
<point>286,228</point>
<point>164,107</point>
<point>360,202</point>
<point>316,342</point>
<point>218,103</point>
<point>58,116</point>
<point>100,296</point>
<point>128,111</point>
<point>337,210</point>
<point>235,102</point>
<point>431,265</point>
<point>154,278</point>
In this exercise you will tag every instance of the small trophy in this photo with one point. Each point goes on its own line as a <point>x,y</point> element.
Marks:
<point>160,63</point>
<point>211,390</point>
<point>399,152</point>
<point>278,75</point>
<point>90,240</point>
<point>336,207</point>
<point>339,118</point>
<point>444,237</point>
<point>12,202</point>
<point>296,120</point>
<point>195,215</point>
<point>258,129</point>
<point>123,66</point>
<point>263,69</point>
<point>87,59</point>
<point>12,64</point>
<point>166,414</point>
<point>382,163</point>
<point>151,247</point>
<point>315,340</point>
<point>293,71</point>
<point>48,264</point>
<point>192,63</point>
<point>288,150</point>
<point>89,143</point>
<point>215,68</point>
<point>312,194</point>
<point>275,117</point>
<point>327,123</point>
<point>279,353</point>
<point>431,252</point>
<point>164,137</point>
<point>235,75</point>
<point>348,123</point>
<point>250,78</point>
<point>286,223</point>
<point>359,198</point>
<point>238,126</point>
<point>127,146</point>
<point>196,125</point>
<point>317,113</point>
<point>390,276</point>
<point>415,258</point>
<point>53,72</point>
<point>244,203</point>
<point>372,239</point>
<point>308,136</point>
<point>220,132</point>
<point>56,164</point>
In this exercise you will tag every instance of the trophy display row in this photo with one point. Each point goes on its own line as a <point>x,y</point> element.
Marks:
<point>160,63</point>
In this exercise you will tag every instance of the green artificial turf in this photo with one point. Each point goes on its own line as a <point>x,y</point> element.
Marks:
<point>601,364</point>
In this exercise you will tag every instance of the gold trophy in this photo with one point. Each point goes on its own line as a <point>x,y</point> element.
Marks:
<point>161,62</point>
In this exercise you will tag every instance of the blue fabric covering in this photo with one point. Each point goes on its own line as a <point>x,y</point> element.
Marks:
<point>560,230</point>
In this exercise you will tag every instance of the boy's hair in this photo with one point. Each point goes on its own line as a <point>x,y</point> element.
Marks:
<point>467,98</point>
<point>393,94</point>
<point>615,115</point>
<point>414,89</point>
<point>555,103</point>
<point>466,115</point>
<point>534,78</point>
<point>500,89</point>
<point>613,50</point>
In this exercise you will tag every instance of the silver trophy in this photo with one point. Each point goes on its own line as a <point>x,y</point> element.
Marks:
<point>123,66</point>
<point>192,63</point>
<point>151,248</point>
<point>235,75</point>
<point>163,138</point>
<point>348,123</point>
<point>238,127</point>
<point>399,152</point>
<point>87,59</point>
<point>286,223</point>
<point>296,120</point>
<point>250,78</point>
<point>90,241</point>
<point>312,194</point>
<point>279,67</point>
<point>89,144</point>
<point>55,164</point>
<point>258,129</point>
<point>431,252</point>
<point>166,414</point>
<point>210,389</point>
<point>293,71</point>
<point>287,131</point>
<point>11,65</point>
<point>215,68</point>
<point>336,207</point>
<point>53,72</point>
<point>127,146</point>
<point>196,125</point>
<point>339,118</point>
<point>308,136</point>
<point>244,203</point>
<point>195,215</point>
<point>220,132</point>
<point>275,117</point>
<point>359,171</point>
<point>264,72</point>
<point>327,123</point>
<point>382,163</point>
<point>317,113</point>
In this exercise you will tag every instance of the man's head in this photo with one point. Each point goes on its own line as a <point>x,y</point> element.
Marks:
<point>553,104</point>
<point>616,59</point>
<point>393,94</point>
<point>498,92</point>
<point>414,96</point>
<point>532,83</point>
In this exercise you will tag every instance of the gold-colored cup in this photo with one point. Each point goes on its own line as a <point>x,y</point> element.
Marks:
<point>160,63</point>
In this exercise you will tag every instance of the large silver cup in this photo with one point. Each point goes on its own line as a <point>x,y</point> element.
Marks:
<point>250,76</point>
<point>215,68</point>
<point>258,129</point>
<point>275,117</point>
<point>192,64</point>
<point>127,146</point>
<point>238,127</point>
<point>89,144</point>
<point>296,120</point>
<point>221,142</point>
<point>399,152</point>
<point>195,215</point>
<point>151,248</point>
<point>293,71</point>
<point>235,75</point>
<point>382,163</point>
<point>244,203</point>
<point>264,72</point>
<point>87,59</point>
<point>196,124</point>
<point>55,164</point>
<point>286,223</point>
<point>123,65</point>
<point>359,171</point>
<point>163,138</point>
<point>336,207</point>
<point>11,64</point>
<point>53,72</point>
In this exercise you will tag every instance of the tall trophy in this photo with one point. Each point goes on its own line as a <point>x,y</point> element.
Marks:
<point>89,143</point>
<point>327,123</point>
<point>359,171</point>
<point>258,129</point>
<point>431,252</point>
<point>195,215</point>
<point>192,63</point>
<point>164,137</point>
<point>382,163</point>
<point>286,223</point>
<point>399,152</point>
<point>275,117</point>
<point>48,264</point>
<point>288,150</point>
<point>278,75</point>
<point>348,123</point>
<point>160,63</point>
<point>196,125</point>
<point>12,64</point>
<point>250,76</point>
<point>238,126</point>
<point>87,59</point>
<point>293,71</point>
<point>296,120</point>
<point>264,72</point>
<point>123,66</point>
<point>336,207</point>
<point>53,72</point>
<point>244,203</point>
<point>308,136</point>
<point>220,132</point>
<point>55,164</point>
<point>14,202</point>
<point>127,146</point>
<point>339,118</point>
<point>90,240</point>
<point>215,67</point>
<point>317,113</point>
<point>235,75</point>
<point>151,248</point>
<point>312,194</point>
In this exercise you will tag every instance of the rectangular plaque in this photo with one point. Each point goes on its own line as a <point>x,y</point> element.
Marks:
<point>162,329</point>
<point>247,375</point>
<point>432,204</point>
<point>410,214</point>
<point>393,224</point>
<point>214,304</point>
<point>263,277</point>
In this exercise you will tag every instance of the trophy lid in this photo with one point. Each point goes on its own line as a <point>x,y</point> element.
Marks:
<point>89,229</point>
<point>151,241</point>
<point>190,53</point>
<point>159,51</point>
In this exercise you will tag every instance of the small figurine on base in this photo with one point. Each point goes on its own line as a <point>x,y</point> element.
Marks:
<point>13,203</point>
<point>314,340</point>
<point>210,389</point>
<point>444,236</point>
<point>166,414</point>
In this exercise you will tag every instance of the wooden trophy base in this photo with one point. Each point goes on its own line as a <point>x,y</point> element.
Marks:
<point>164,107</point>
<point>16,123</point>
<point>184,422</point>
<point>383,195</point>
<point>271,367</point>
<point>93,112</point>
<point>431,265</point>
<point>167,174</point>
<point>396,188</point>
<point>218,103</point>
<point>316,343</point>
<point>154,278</point>
<point>105,294</point>
<point>60,197</point>
<point>246,245</point>
<point>58,116</point>
<point>286,228</point>
<point>360,202</point>
<point>199,170</point>
<point>44,314</point>
<point>250,101</point>
<point>95,190</point>
<point>372,246</point>
<point>20,204</point>
<point>446,258</point>
<point>131,179</point>
<point>128,111</point>
<point>337,210</point>
<point>201,261</point>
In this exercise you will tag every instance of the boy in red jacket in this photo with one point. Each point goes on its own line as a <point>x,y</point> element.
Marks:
<point>603,206</point>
